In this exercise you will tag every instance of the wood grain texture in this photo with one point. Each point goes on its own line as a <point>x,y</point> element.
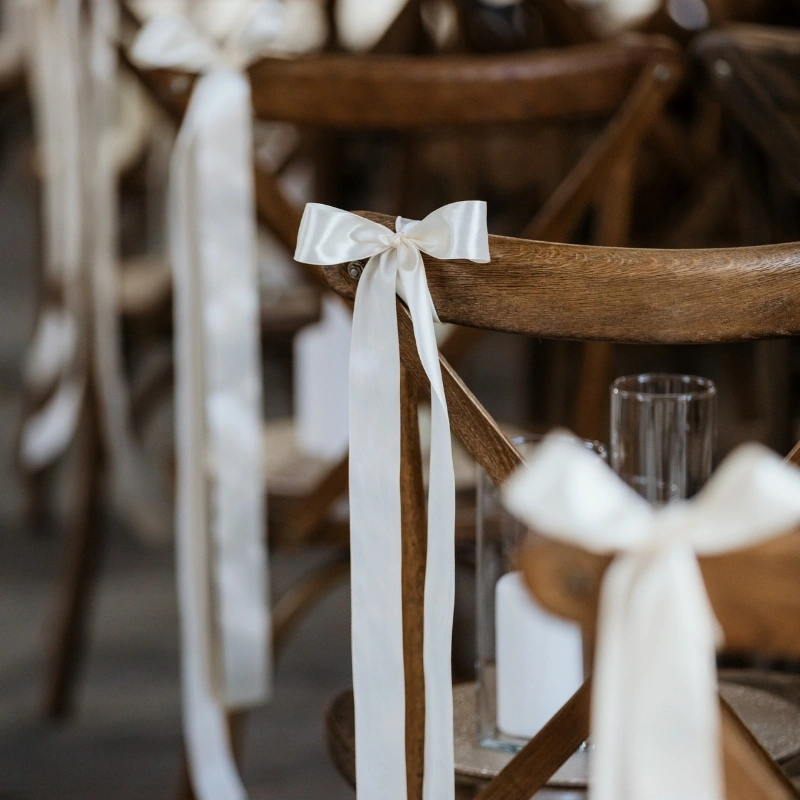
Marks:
<point>616,294</point>
<point>414,533</point>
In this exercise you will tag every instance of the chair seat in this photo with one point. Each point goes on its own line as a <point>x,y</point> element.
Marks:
<point>763,708</point>
<point>145,286</point>
<point>340,733</point>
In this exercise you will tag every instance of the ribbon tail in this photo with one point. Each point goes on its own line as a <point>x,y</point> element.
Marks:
<point>440,567</point>
<point>654,703</point>
<point>211,764</point>
<point>674,709</point>
<point>375,537</point>
<point>226,238</point>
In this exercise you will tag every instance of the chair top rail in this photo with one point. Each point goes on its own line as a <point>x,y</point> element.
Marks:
<point>614,294</point>
<point>407,92</point>
<point>389,92</point>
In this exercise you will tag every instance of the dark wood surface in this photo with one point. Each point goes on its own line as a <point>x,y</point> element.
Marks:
<point>616,294</point>
<point>401,92</point>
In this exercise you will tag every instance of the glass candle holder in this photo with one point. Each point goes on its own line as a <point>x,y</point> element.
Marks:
<point>662,434</point>
<point>529,662</point>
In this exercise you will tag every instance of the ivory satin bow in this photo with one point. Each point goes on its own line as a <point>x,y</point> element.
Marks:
<point>330,236</point>
<point>218,395</point>
<point>655,712</point>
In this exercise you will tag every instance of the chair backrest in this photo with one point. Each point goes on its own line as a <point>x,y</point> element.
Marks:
<point>622,295</point>
<point>564,291</point>
<point>617,294</point>
<point>381,92</point>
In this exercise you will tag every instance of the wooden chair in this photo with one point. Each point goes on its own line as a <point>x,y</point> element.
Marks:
<point>617,295</point>
<point>628,82</point>
<point>408,94</point>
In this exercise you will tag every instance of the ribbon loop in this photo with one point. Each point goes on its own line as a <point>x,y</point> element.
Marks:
<point>655,717</point>
<point>329,236</point>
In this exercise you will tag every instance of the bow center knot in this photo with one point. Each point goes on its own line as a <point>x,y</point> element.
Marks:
<point>398,240</point>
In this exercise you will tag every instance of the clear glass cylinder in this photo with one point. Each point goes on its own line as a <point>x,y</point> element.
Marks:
<point>662,434</point>
<point>529,663</point>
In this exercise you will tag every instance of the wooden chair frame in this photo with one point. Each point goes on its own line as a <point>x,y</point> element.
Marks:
<point>619,295</point>
<point>410,93</point>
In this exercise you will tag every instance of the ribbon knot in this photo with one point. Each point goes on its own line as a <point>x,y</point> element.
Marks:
<point>399,239</point>
<point>329,236</point>
<point>655,714</point>
<point>217,34</point>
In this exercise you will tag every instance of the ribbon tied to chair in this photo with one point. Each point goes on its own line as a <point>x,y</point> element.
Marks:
<point>655,712</point>
<point>218,394</point>
<point>329,236</point>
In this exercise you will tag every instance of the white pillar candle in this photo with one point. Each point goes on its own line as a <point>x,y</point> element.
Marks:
<point>539,660</point>
<point>321,364</point>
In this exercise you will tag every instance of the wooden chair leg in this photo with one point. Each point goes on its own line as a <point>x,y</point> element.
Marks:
<point>413,515</point>
<point>83,545</point>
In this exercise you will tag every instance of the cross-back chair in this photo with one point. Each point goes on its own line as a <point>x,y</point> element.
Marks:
<point>616,295</point>
<point>627,82</point>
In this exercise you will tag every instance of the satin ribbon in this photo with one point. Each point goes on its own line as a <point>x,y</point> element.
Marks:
<point>330,236</point>
<point>218,393</point>
<point>53,59</point>
<point>655,711</point>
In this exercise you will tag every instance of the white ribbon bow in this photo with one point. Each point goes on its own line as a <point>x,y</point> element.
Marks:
<point>218,395</point>
<point>330,236</point>
<point>655,712</point>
